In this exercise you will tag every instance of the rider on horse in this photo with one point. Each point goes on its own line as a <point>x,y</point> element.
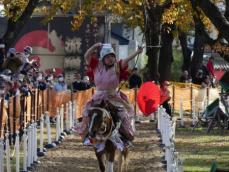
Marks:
<point>107,72</point>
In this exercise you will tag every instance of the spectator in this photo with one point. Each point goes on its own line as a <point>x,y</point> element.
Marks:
<point>78,84</point>
<point>185,77</point>
<point>12,62</point>
<point>41,85</point>
<point>165,97</point>
<point>135,80</point>
<point>199,78</point>
<point>210,66</point>
<point>86,82</point>
<point>60,85</point>
<point>206,82</point>
<point>11,53</point>
<point>50,81</point>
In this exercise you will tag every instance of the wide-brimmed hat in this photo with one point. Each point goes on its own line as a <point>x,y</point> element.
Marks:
<point>106,49</point>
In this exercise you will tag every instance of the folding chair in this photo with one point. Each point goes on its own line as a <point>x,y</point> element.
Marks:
<point>214,168</point>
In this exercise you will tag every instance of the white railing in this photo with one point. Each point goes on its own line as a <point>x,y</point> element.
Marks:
<point>28,150</point>
<point>166,128</point>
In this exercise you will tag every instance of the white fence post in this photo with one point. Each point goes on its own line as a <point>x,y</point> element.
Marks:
<point>167,129</point>
<point>193,112</point>
<point>66,121</point>
<point>2,154</point>
<point>181,113</point>
<point>62,118</point>
<point>41,147</point>
<point>75,120</point>
<point>57,126</point>
<point>29,160</point>
<point>25,137</point>
<point>8,167</point>
<point>17,149</point>
<point>50,144</point>
<point>70,114</point>
<point>35,143</point>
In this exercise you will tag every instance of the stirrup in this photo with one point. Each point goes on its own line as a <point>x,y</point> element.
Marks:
<point>87,142</point>
<point>128,144</point>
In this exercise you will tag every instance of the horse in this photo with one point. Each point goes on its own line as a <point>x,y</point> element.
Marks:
<point>103,127</point>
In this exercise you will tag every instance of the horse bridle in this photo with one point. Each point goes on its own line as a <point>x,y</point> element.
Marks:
<point>105,115</point>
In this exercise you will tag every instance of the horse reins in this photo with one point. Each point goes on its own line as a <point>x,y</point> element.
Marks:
<point>105,115</point>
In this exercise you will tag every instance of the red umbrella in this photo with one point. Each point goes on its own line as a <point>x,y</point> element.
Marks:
<point>148,98</point>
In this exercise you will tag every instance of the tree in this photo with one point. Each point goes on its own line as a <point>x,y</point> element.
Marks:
<point>18,13</point>
<point>153,16</point>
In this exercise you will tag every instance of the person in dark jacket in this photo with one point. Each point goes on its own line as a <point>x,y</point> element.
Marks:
<point>135,80</point>
<point>78,84</point>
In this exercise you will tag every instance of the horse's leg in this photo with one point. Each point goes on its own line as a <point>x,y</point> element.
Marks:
<point>120,160</point>
<point>125,153</point>
<point>99,156</point>
<point>110,149</point>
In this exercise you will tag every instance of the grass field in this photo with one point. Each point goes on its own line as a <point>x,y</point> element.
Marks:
<point>199,149</point>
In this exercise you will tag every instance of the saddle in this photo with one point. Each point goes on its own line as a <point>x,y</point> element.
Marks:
<point>112,109</point>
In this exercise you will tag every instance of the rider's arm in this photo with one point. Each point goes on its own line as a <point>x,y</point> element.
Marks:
<point>126,60</point>
<point>87,55</point>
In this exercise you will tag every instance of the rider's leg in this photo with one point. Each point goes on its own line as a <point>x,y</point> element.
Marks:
<point>82,129</point>
<point>126,129</point>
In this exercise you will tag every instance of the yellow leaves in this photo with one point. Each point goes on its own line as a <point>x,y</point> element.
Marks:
<point>179,13</point>
<point>131,12</point>
<point>218,47</point>
<point>78,20</point>
<point>14,8</point>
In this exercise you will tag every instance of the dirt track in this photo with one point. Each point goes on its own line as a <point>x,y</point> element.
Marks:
<point>72,156</point>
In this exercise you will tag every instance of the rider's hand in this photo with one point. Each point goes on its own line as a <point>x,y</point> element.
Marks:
<point>140,49</point>
<point>97,45</point>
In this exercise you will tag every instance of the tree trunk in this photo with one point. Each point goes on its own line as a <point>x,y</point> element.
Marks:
<point>213,13</point>
<point>198,52</point>
<point>166,53</point>
<point>14,27</point>
<point>227,10</point>
<point>152,34</point>
<point>186,52</point>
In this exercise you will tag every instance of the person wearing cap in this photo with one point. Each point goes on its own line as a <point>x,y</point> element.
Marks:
<point>11,53</point>
<point>107,72</point>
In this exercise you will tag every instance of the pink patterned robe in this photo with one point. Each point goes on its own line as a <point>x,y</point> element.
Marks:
<point>107,82</point>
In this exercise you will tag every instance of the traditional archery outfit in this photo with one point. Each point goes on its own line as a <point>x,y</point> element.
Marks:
<point>107,82</point>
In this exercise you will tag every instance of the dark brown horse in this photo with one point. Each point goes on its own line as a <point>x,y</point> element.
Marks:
<point>103,127</point>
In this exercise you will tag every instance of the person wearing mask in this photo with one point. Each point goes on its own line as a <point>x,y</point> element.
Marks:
<point>41,84</point>
<point>107,73</point>
<point>60,85</point>
<point>78,84</point>
<point>86,82</point>
<point>50,81</point>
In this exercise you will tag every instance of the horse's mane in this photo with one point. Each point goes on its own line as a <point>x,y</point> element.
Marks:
<point>110,108</point>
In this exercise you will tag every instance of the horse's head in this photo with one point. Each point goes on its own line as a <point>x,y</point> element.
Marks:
<point>100,125</point>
